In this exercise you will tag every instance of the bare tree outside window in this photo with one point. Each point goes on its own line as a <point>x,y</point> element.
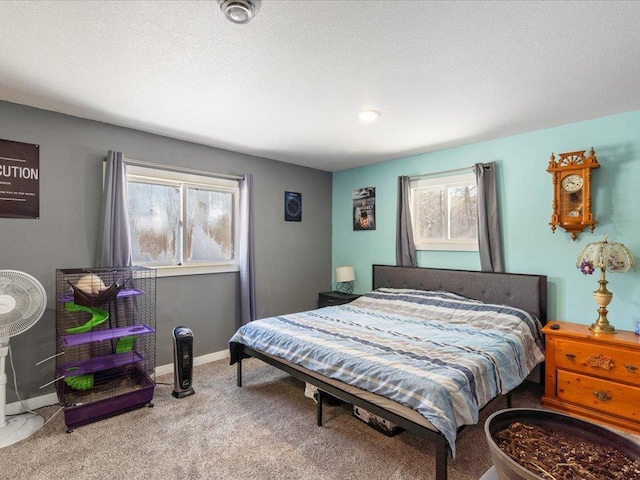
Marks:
<point>430,214</point>
<point>444,213</point>
<point>209,225</point>
<point>154,213</point>
<point>463,212</point>
<point>183,221</point>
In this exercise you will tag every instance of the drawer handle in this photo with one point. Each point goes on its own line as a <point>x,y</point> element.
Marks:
<point>602,396</point>
<point>631,368</point>
<point>600,361</point>
<point>570,356</point>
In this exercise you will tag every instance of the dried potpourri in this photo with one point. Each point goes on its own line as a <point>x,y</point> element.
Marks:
<point>556,455</point>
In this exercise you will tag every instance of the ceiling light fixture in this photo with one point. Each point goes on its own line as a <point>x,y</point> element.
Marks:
<point>240,11</point>
<point>368,115</point>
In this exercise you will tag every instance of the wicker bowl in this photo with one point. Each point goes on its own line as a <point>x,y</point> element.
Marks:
<point>508,469</point>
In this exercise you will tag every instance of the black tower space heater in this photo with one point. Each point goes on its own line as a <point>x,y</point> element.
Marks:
<point>182,362</point>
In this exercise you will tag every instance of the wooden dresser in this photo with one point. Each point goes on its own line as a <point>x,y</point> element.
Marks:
<point>595,376</point>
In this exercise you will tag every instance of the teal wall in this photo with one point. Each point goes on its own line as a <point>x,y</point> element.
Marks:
<point>525,194</point>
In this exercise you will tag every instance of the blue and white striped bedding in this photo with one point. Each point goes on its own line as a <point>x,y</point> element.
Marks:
<point>441,354</point>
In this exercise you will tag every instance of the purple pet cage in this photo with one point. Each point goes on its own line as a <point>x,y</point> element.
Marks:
<point>106,338</point>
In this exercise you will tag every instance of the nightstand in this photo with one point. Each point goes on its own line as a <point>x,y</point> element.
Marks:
<point>593,375</point>
<point>328,299</point>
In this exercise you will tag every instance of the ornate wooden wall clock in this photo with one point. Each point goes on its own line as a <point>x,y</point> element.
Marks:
<point>571,173</point>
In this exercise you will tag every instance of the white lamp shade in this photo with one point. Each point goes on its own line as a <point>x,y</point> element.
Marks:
<point>607,255</point>
<point>345,274</point>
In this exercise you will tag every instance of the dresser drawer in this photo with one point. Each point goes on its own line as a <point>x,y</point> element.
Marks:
<point>597,359</point>
<point>601,395</point>
<point>329,299</point>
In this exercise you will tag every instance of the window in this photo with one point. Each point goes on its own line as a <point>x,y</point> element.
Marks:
<point>444,212</point>
<point>182,223</point>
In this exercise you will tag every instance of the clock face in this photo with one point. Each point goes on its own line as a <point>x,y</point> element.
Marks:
<point>571,183</point>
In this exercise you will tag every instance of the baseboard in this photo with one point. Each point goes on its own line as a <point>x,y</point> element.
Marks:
<point>201,360</point>
<point>34,403</point>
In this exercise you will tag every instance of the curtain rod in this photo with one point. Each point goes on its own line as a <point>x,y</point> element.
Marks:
<point>446,172</point>
<point>173,168</point>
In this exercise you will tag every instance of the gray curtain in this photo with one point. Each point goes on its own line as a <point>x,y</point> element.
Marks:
<point>489,237</point>
<point>114,242</point>
<point>247,262</point>
<point>405,247</point>
<point>114,239</point>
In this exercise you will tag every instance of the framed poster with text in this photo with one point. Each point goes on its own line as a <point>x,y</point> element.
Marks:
<point>364,208</point>
<point>19,180</point>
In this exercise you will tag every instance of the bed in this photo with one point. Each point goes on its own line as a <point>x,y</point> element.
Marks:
<point>425,349</point>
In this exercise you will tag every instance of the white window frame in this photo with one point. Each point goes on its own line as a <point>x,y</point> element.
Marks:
<point>168,177</point>
<point>448,181</point>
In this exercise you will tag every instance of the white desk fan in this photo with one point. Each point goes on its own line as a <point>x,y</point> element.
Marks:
<point>22,303</point>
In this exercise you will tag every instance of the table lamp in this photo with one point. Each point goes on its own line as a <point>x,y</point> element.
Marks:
<point>608,256</point>
<point>344,279</point>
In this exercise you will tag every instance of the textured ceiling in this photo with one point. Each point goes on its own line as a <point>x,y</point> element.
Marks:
<point>289,84</point>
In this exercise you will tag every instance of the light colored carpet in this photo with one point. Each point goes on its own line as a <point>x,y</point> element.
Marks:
<point>264,430</point>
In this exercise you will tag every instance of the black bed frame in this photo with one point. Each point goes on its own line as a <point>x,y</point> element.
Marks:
<point>527,292</point>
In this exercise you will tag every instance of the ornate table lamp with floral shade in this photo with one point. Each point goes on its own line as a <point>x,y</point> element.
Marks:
<point>607,256</point>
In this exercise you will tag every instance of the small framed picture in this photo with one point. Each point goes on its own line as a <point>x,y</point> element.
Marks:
<point>364,208</point>
<point>292,207</point>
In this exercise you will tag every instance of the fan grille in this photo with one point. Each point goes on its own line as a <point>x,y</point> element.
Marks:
<point>23,300</point>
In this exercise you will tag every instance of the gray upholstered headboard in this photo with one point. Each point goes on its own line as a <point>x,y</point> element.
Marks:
<point>524,291</point>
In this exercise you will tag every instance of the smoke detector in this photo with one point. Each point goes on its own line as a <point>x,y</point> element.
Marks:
<point>240,11</point>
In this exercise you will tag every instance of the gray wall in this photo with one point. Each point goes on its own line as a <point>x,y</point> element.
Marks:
<point>293,260</point>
